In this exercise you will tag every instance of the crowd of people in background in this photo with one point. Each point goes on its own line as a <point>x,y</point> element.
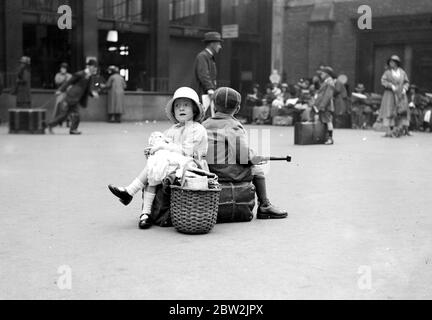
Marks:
<point>401,108</point>
<point>397,111</point>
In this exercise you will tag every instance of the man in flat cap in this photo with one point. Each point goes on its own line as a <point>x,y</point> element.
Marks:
<point>205,71</point>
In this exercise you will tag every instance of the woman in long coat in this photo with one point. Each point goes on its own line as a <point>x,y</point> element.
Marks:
<point>23,84</point>
<point>116,86</point>
<point>60,78</point>
<point>394,100</point>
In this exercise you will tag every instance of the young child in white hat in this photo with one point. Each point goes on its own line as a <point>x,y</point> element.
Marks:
<point>185,142</point>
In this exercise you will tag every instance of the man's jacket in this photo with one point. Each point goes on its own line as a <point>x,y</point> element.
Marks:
<point>79,90</point>
<point>205,72</point>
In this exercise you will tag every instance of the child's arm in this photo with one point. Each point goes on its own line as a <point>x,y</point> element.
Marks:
<point>244,154</point>
<point>193,142</point>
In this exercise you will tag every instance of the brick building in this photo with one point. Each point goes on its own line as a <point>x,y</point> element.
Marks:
<point>316,32</point>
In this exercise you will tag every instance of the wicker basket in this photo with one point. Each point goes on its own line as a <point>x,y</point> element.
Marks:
<point>194,211</point>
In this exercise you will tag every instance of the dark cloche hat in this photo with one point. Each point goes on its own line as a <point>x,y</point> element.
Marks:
<point>360,87</point>
<point>92,62</point>
<point>328,70</point>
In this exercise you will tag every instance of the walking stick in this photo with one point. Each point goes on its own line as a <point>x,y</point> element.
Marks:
<point>55,109</point>
<point>287,159</point>
<point>46,102</point>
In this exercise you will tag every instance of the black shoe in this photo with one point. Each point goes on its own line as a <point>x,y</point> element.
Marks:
<point>75,132</point>
<point>123,196</point>
<point>144,223</point>
<point>268,211</point>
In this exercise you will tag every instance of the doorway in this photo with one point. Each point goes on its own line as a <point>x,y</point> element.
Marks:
<point>48,47</point>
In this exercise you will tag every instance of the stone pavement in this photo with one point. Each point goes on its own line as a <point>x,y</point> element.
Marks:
<point>359,226</point>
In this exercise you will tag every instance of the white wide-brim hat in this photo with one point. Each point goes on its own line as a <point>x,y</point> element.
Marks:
<point>184,92</point>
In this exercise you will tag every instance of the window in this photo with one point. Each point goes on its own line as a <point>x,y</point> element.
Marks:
<point>126,10</point>
<point>47,5</point>
<point>48,46</point>
<point>180,9</point>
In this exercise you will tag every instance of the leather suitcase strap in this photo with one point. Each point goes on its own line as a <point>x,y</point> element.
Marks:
<point>12,121</point>
<point>32,121</point>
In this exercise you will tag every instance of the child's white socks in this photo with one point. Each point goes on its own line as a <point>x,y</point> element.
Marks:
<point>134,187</point>
<point>148,202</point>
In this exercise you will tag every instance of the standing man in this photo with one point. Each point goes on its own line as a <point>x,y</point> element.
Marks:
<point>205,72</point>
<point>77,89</point>
<point>324,105</point>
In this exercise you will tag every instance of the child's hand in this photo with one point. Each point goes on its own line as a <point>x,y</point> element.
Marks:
<point>156,148</point>
<point>147,151</point>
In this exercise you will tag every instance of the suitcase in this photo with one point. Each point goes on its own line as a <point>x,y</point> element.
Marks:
<point>309,133</point>
<point>236,202</point>
<point>282,121</point>
<point>261,113</point>
<point>343,121</point>
<point>27,121</point>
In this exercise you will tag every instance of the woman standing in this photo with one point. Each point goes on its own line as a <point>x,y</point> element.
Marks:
<point>116,86</point>
<point>23,84</point>
<point>395,83</point>
<point>60,78</point>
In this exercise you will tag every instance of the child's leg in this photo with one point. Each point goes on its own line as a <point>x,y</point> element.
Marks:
<point>329,132</point>
<point>330,129</point>
<point>149,195</point>
<point>260,184</point>
<point>126,194</point>
<point>265,209</point>
<point>138,183</point>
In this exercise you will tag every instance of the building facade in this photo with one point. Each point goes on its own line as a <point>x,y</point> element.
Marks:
<point>156,44</point>
<point>317,32</point>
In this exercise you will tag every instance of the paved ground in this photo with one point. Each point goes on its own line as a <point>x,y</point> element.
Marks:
<point>359,226</point>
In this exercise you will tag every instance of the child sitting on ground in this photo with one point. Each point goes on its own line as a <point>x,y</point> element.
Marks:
<point>229,155</point>
<point>185,142</point>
